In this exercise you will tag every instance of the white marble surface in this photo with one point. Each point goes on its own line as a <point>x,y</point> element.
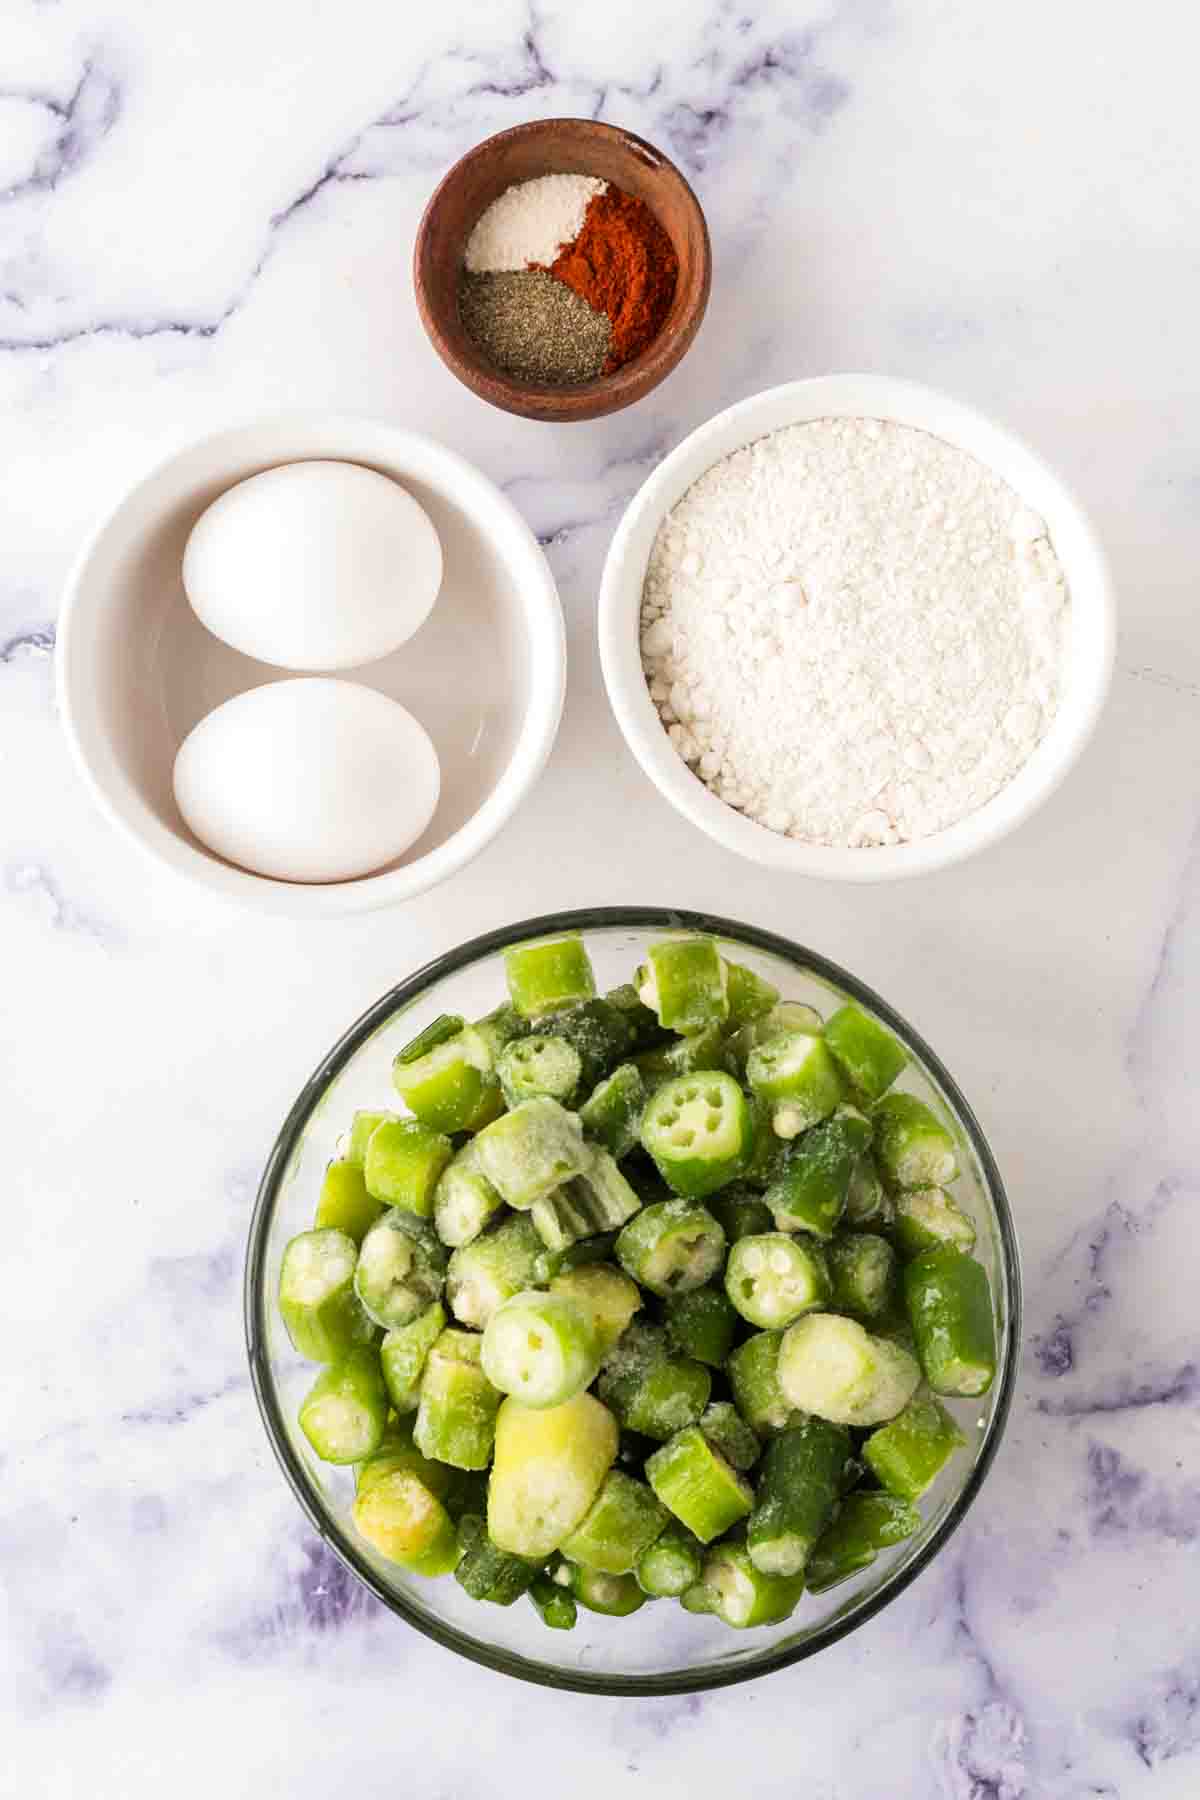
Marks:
<point>209,212</point>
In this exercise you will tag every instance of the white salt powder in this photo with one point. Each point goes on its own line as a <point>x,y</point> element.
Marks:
<point>530,222</point>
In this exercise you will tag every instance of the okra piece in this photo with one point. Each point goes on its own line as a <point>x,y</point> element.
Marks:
<point>344,1203</point>
<point>798,1077</point>
<point>671,1247</point>
<point>788,1016</point>
<point>399,1272</point>
<point>344,1413</point>
<point>541,1348</point>
<point>809,1193</point>
<point>868,1055</point>
<point>456,1413</point>
<point>727,1431</point>
<point>950,1306</point>
<point>865,1277</point>
<point>866,1524</point>
<point>799,1486</point>
<point>539,1065</point>
<point>671,1565</point>
<point>740,1213</point>
<point>753,1371</point>
<point>642,1024</point>
<point>486,1573</point>
<point>832,1367</point>
<point>606,1296</point>
<point>697,1485</point>
<point>549,1263</point>
<point>403,1352</point>
<point>749,996</point>
<point>612,1113</point>
<point>650,1390</point>
<point>547,1469</point>
<point>610,1198</point>
<point>600,1034</point>
<point>683,981</point>
<point>744,1596</point>
<point>701,1324</point>
<point>441,1077</point>
<point>703,1052</point>
<point>400,1515</point>
<point>907,1455</point>
<point>913,1149</point>
<point>491,1268</point>
<point>397,1451</point>
<point>555,1605</point>
<point>405,1160</point>
<point>867,1200</point>
<point>928,1217</point>
<point>623,1520</point>
<point>465,1200</point>
<point>317,1301</point>
<point>354,1145</point>
<point>614,1595</point>
<point>774,1279</point>
<point>698,1130</point>
<point>768,1153</point>
<point>698,1599</point>
<point>532,1150</point>
<point>546,977</point>
<point>563,1218</point>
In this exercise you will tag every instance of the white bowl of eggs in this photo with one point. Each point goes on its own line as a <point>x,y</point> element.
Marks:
<point>312,663</point>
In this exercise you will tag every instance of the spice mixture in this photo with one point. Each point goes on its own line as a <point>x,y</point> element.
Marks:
<point>854,632</point>
<point>566,278</point>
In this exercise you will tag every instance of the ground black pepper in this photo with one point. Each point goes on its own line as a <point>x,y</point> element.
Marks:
<point>534,327</point>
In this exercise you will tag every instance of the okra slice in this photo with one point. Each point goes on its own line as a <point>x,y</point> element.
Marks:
<point>403,1352</point>
<point>317,1301</point>
<point>491,1268</point>
<point>612,1113</point>
<point>683,981</point>
<point>749,995</point>
<point>727,1431</point>
<point>545,978</point>
<point>610,1199</point>
<point>642,1024</point>
<point>671,1565</point>
<point>400,1515</point>
<point>788,1016</point>
<point>399,1273</point>
<point>405,1161</point>
<point>865,1276</point>
<point>798,1488</point>
<point>866,1524</point>
<point>950,1306</point>
<point>913,1149</point>
<point>397,1451</point>
<point>539,1065</point>
<point>868,1055</point>
<point>600,1034</point>
<point>606,1296</point>
<point>456,1414</point>
<point>623,1520</point>
<point>773,1279</point>
<point>465,1200</point>
<point>908,1454</point>
<point>696,1484</point>
<point>547,1469</point>
<point>926,1218</point>
<point>703,1052</point>
<point>344,1413</point>
<point>832,1367</point>
<point>354,1145</point>
<point>614,1595</point>
<point>344,1203</point>
<point>809,1193</point>
<point>540,1347</point>
<point>555,1605</point>
<point>487,1573</point>
<point>698,1130</point>
<point>562,1218</point>
<point>753,1371</point>
<point>867,1200</point>
<point>671,1247</point>
<point>798,1077</point>
<point>650,1390</point>
<point>532,1150</point>
<point>701,1324</point>
<point>768,1153</point>
<point>698,1599</point>
<point>740,1213</point>
<point>744,1596</point>
<point>440,1076</point>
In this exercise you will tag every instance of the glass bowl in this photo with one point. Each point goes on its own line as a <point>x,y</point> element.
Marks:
<point>661,1649</point>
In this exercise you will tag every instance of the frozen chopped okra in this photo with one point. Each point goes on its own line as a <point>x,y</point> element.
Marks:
<point>599,1315</point>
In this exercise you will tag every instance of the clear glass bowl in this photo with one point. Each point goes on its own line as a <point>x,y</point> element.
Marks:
<point>661,1649</point>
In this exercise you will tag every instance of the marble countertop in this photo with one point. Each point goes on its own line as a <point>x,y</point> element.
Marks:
<point>208,212</point>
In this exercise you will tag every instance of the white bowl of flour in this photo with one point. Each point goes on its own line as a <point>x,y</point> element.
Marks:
<point>851,628</point>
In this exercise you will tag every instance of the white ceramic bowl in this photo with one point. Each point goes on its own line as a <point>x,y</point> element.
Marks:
<point>485,674</point>
<point>1089,654</point>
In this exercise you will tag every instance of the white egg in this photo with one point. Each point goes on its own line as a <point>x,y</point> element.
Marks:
<point>308,780</point>
<point>313,565</point>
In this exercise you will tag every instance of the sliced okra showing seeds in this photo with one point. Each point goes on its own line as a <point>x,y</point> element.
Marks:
<point>699,1132</point>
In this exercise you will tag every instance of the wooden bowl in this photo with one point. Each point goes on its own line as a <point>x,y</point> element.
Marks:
<point>567,147</point>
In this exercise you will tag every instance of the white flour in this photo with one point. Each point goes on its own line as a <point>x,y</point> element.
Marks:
<point>853,631</point>
<point>530,222</point>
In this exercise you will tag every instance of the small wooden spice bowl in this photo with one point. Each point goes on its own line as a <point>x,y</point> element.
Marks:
<point>563,147</point>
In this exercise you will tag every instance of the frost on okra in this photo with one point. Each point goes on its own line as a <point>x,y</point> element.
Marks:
<point>809,1192</point>
<point>317,1298</point>
<point>547,1469</point>
<point>652,1391</point>
<point>541,1348</point>
<point>684,980</point>
<point>530,1151</point>
<point>832,1367</point>
<point>913,1149</point>
<point>491,1268</point>
<point>399,1271</point>
<point>798,1078</point>
<point>456,1413</point>
<point>773,1279</point>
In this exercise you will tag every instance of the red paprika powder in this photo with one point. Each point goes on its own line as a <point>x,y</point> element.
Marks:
<point>623,264</point>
